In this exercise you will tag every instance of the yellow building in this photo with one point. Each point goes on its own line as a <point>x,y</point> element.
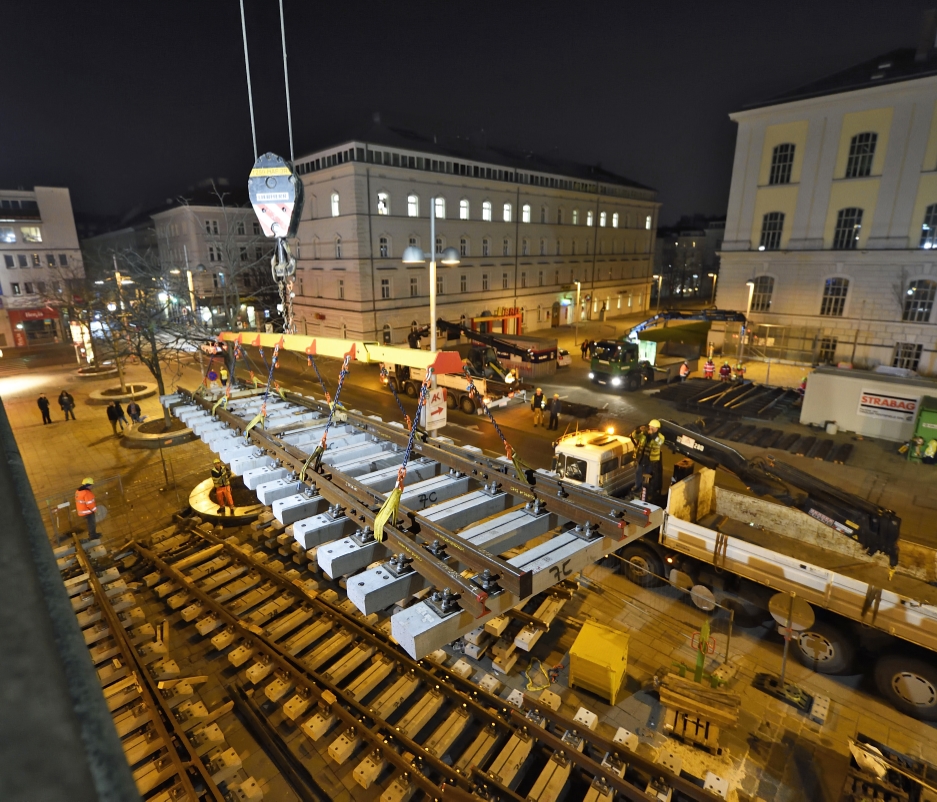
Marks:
<point>833,216</point>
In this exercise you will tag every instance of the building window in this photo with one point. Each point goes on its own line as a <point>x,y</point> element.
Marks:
<point>463,283</point>
<point>7,234</point>
<point>771,226</point>
<point>383,203</point>
<point>387,334</point>
<point>335,206</point>
<point>782,160</point>
<point>543,247</point>
<point>647,223</point>
<point>761,294</point>
<point>507,212</point>
<point>506,247</point>
<point>834,297</point>
<point>589,218</point>
<point>259,253</point>
<point>385,288</point>
<point>523,280</point>
<point>28,288</point>
<point>484,282</point>
<point>526,248</point>
<point>861,153</point>
<point>575,217</point>
<point>440,285</point>
<point>50,259</point>
<point>848,225</point>
<point>385,250</point>
<point>559,248</point>
<point>31,233</point>
<point>907,355</point>
<point>463,247</point>
<point>41,287</point>
<point>414,286</point>
<point>486,211</point>
<point>256,229</point>
<point>243,252</point>
<point>615,220</point>
<point>413,241</point>
<point>543,214</point>
<point>486,247</point>
<point>603,218</point>
<point>21,258</point>
<point>929,227</point>
<point>413,206</point>
<point>572,247</point>
<point>559,217</point>
<point>826,352</point>
<point>440,204</point>
<point>464,209</point>
<point>338,247</point>
<point>438,244</point>
<point>341,289</point>
<point>525,213</point>
<point>556,277</point>
<point>504,281</point>
<point>919,301</point>
<point>8,259</point>
<point>63,260</point>
<point>16,288</point>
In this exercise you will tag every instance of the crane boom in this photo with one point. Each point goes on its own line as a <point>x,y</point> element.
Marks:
<point>710,315</point>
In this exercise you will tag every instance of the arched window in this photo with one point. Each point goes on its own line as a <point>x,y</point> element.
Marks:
<point>440,208</point>
<point>782,160</point>
<point>526,246</point>
<point>508,209</point>
<point>335,207</point>
<point>543,247</point>
<point>848,226</point>
<point>486,247</point>
<point>543,214</point>
<point>506,247</point>
<point>463,247</point>
<point>525,213</point>
<point>647,223</point>
<point>615,220</point>
<point>338,247</point>
<point>486,211</point>
<point>919,301</point>
<point>387,334</point>
<point>589,218</point>
<point>464,209</point>
<point>772,224</point>
<point>575,217</point>
<point>413,206</point>
<point>439,244</point>
<point>929,227</point>
<point>834,297</point>
<point>861,153</point>
<point>603,218</point>
<point>384,248</point>
<point>761,294</point>
<point>383,203</point>
<point>559,248</point>
<point>559,217</point>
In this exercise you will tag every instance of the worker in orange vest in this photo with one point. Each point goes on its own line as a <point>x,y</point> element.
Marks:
<point>86,506</point>
<point>709,369</point>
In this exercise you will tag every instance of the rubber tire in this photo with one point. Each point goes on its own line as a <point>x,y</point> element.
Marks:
<point>632,380</point>
<point>635,557</point>
<point>410,390</point>
<point>837,643</point>
<point>923,674</point>
<point>451,401</point>
<point>391,384</point>
<point>467,405</point>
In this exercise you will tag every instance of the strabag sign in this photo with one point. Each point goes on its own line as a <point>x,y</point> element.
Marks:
<point>876,404</point>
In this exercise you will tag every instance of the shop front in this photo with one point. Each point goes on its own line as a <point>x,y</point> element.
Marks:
<point>35,326</point>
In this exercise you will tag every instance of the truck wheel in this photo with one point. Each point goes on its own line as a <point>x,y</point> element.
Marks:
<point>451,401</point>
<point>826,648</point>
<point>410,389</point>
<point>391,384</point>
<point>632,380</point>
<point>467,405</point>
<point>909,684</point>
<point>641,564</point>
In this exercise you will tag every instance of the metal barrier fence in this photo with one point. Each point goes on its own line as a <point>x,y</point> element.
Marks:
<point>672,611</point>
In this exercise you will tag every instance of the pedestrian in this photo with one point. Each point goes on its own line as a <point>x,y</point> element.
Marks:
<point>224,375</point>
<point>221,479</point>
<point>114,418</point>
<point>647,443</point>
<point>43,404</point>
<point>684,371</point>
<point>67,403</point>
<point>725,372</point>
<point>592,346</point>
<point>537,403</point>
<point>556,407</point>
<point>709,369</point>
<point>120,415</point>
<point>134,411</point>
<point>584,348</point>
<point>86,506</point>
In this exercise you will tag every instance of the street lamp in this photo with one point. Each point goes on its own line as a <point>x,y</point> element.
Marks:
<point>715,278</point>
<point>413,255</point>
<point>578,312</point>
<point>660,279</point>
<point>748,311</point>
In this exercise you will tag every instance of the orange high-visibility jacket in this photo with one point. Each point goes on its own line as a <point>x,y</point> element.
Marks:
<point>84,501</point>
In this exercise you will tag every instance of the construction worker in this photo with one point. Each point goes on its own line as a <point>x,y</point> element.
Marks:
<point>684,371</point>
<point>739,371</point>
<point>556,406</point>
<point>709,369</point>
<point>802,387</point>
<point>647,444</point>
<point>221,479</point>
<point>537,404</point>
<point>86,506</point>
<point>223,373</point>
<point>725,372</point>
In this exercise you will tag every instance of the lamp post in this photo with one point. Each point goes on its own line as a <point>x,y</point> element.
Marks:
<point>660,279</point>
<point>748,310</point>
<point>578,312</point>
<point>413,255</point>
<point>715,278</point>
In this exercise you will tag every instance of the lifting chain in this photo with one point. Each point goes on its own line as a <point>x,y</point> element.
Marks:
<point>315,458</point>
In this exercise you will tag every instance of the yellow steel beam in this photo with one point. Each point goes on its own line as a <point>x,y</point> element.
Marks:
<point>368,352</point>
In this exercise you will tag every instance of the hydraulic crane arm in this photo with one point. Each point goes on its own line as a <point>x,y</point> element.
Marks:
<point>874,527</point>
<point>360,351</point>
<point>711,315</point>
<point>482,337</point>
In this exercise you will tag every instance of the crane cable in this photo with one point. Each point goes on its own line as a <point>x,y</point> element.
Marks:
<point>315,458</point>
<point>247,69</point>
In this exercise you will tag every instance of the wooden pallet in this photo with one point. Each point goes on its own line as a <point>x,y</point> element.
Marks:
<point>692,729</point>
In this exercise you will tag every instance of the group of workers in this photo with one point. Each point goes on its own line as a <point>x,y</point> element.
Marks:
<point>538,403</point>
<point>726,373</point>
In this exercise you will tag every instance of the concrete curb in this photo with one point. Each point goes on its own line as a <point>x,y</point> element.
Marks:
<point>135,439</point>
<point>98,398</point>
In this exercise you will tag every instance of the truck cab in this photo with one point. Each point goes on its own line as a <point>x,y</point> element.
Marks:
<point>602,461</point>
<point>617,363</point>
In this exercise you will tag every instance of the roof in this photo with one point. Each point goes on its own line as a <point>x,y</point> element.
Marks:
<point>478,149</point>
<point>893,67</point>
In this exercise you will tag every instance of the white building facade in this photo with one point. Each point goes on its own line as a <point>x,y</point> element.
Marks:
<point>525,235</point>
<point>832,219</point>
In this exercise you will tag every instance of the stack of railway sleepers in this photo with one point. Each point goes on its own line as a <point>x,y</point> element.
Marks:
<point>809,446</point>
<point>696,712</point>
<point>739,399</point>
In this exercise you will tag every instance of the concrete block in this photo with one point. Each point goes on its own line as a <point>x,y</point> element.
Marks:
<point>346,556</point>
<point>461,511</point>
<point>322,528</point>
<point>257,476</point>
<point>270,491</point>
<point>294,508</point>
<point>245,463</point>
<point>377,589</point>
<point>428,492</point>
<point>385,479</point>
<point>490,683</point>
<point>586,718</point>
<point>317,726</point>
<point>550,700</point>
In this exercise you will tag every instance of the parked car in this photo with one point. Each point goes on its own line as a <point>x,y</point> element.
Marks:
<point>563,359</point>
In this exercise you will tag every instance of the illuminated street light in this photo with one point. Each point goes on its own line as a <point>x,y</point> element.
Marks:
<point>715,278</point>
<point>660,279</point>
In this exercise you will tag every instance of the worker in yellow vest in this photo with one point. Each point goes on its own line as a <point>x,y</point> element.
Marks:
<point>647,444</point>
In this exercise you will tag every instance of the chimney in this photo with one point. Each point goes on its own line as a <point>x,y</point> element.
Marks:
<point>926,41</point>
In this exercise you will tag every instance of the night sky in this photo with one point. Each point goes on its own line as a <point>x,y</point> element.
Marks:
<point>128,103</point>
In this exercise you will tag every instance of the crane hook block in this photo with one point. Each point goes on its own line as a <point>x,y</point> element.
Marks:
<point>276,194</point>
